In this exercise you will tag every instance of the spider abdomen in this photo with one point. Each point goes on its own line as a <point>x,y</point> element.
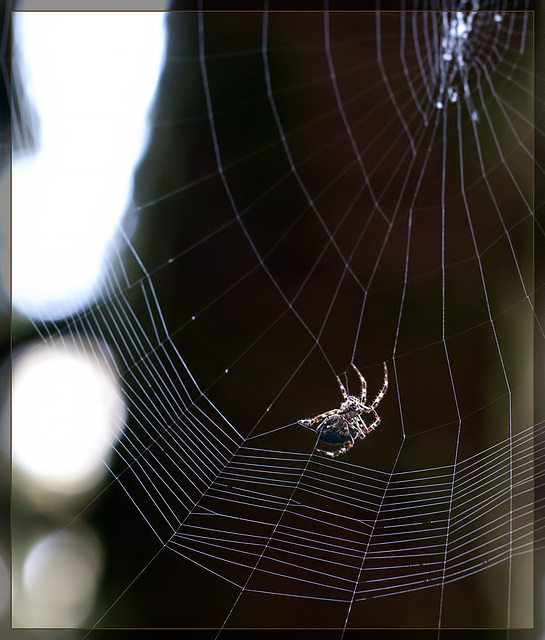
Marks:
<point>337,430</point>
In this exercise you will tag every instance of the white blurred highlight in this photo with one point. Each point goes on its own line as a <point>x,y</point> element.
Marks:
<point>67,412</point>
<point>91,77</point>
<point>60,577</point>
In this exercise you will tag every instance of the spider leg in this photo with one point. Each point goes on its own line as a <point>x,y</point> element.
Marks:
<point>360,426</point>
<point>343,390</point>
<point>309,422</point>
<point>363,395</point>
<point>381,393</point>
<point>375,423</point>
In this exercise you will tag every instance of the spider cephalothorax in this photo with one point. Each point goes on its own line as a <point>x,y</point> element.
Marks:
<point>342,426</point>
<point>351,408</point>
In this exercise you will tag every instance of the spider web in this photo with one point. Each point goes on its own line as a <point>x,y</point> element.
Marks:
<point>360,194</point>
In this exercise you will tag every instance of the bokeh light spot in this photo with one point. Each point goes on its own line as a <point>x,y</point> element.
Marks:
<point>67,413</point>
<point>59,580</point>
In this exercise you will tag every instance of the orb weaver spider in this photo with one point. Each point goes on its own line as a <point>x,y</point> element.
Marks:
<point>344,425</point>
